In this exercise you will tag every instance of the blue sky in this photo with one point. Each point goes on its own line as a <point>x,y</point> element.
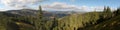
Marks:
<point>62,5</point>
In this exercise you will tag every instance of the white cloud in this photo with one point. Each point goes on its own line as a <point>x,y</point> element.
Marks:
<point>64,6</point>
<point>61,6</point>
<point>19,3</point>
<point>97,8</point>
<point>72,0</point>
<point>1,9</point>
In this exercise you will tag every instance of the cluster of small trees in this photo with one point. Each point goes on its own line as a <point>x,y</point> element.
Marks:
<point>117,12</point>
<point>41,24</point>
<point>107,13</point>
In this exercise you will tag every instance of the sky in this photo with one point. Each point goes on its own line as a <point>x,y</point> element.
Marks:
<point>59,5</point>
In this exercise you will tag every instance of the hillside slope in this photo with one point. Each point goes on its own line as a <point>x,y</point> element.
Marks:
<point>74,21</point>
<point>111,24</point>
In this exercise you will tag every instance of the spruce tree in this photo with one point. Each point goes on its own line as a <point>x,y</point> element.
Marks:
<point>118,11</point>
<point>107,13</point>
<point>104,13</point>
<point>38,22</point>
<point>55,22</point>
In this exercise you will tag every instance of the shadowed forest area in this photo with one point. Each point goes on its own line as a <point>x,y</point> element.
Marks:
<point>104,20</point>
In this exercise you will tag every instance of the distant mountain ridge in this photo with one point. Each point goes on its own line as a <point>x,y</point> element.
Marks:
<point>31,12</point>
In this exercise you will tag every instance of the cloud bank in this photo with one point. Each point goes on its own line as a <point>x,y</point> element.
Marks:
<point>19,3</point>
<point>67,7</point>
<point>60,6</point>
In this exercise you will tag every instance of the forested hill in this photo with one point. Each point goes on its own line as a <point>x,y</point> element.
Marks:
<point>31,12</point>
<point>91,21</point>
<point>106,23</point>
<point>110,24</point>
<point>78,20</point>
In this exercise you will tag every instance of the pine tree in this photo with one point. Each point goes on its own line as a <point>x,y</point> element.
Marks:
<point>40,12</point>
<point>55,22</point>
<point>38,22</point>
<point>104,13</point>
<point>118,11</point>
<point>107,13</point>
